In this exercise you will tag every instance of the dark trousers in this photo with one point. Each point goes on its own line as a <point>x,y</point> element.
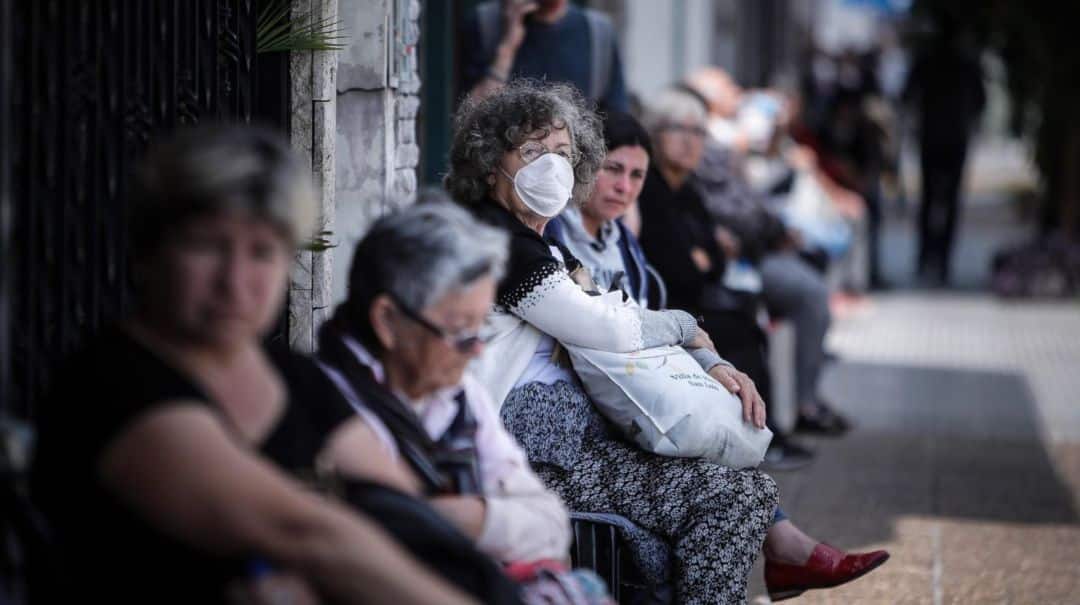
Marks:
<point>942,175</point>
<point>873,227</point>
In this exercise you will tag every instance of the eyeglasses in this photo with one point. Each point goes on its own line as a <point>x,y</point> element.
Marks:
<point>694,131</point>
<point>530,151</point>
<point>464,342</point>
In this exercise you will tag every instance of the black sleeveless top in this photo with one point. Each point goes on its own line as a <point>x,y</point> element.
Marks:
<point>104,548</point>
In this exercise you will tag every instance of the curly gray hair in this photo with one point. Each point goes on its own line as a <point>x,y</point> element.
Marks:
<point>486,129</point>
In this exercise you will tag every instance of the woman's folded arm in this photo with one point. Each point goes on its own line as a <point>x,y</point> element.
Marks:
<point>560,308</point>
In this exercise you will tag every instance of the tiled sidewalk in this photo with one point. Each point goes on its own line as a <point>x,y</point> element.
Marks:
<point>966,459</point>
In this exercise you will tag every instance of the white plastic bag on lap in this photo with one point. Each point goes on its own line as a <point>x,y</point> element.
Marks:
<point>662,400</point>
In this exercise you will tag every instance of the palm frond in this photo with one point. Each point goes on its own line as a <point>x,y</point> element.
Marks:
<point>320,242</point>
<point>277,31</point>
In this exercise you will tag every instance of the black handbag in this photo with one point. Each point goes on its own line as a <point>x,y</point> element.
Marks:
<point>430,538</point>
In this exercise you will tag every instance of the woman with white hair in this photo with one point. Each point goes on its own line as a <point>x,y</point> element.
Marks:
<point>420,286</point>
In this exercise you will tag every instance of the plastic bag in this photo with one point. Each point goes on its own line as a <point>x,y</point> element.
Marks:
<point>665,403</point>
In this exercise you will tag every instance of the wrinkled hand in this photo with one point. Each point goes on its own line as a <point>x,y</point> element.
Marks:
<point>802,157</point>
<point>514,13</point>
<point>701,259</point>
<point>849,203</point>
<point>740,384</point>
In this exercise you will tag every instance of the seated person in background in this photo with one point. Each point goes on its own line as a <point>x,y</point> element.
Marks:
<point>516,159</point>
<point>673,206</point>
<point>551,40</point>
<point>164,448</point>
<point>694,257</point>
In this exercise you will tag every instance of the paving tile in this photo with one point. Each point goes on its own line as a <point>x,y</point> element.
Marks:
<point>965,459</point>
<point>1014,547</point>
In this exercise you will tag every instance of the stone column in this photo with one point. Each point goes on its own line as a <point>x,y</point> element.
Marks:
<point>312,132</point>
<point>377,103</point>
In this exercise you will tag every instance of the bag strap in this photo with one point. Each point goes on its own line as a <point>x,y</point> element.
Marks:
<point>412,440</point>
<point>602,44</point>
<point>456,455</point>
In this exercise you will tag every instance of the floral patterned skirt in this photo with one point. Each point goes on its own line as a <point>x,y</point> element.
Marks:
<point>713,518</point>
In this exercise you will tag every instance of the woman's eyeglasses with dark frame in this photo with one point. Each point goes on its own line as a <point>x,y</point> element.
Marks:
<point>464,342</point>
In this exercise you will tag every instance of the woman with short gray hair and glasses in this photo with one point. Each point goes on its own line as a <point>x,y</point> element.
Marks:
<point>420,286</point>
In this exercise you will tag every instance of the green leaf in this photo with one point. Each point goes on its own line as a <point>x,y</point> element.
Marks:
<point>275,31</point>
<point>321,242</point>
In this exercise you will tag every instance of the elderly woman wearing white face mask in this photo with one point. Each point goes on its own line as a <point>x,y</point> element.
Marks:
<point>516,160</point>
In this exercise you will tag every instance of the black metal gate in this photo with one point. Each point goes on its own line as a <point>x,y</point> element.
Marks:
<point>94,81</point>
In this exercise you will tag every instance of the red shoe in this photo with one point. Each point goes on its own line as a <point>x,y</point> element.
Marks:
<point>827,567</point>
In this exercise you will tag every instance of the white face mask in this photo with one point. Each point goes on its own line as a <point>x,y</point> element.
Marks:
<point>545,185</point>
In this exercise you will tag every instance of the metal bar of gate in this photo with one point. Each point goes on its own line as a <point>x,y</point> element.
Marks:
<point>6,261</point>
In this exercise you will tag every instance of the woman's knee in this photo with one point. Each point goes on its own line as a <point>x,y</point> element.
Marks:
<point>769,490</point>
<point>751,492</point>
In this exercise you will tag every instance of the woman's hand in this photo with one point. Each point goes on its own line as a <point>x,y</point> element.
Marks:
<point>848,203</point>
<point>701,259</point>
<point>514,13</point>
<point>740,384</point>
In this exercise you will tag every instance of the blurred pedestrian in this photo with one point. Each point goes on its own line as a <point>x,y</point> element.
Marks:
<point>161,466</point>
<point>551,40</point>
<point>946,88</point>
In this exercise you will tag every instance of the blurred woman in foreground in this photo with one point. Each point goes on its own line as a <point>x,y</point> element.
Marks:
<point>160,450</point>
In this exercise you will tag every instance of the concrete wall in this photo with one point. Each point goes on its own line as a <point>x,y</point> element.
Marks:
<point>312,132</point>
<point>354,114</point>
<point>377,103</point>
<point>663,41</point>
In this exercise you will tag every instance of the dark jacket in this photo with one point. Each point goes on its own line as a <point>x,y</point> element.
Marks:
<point>673,223</point>
<point>732,204</point>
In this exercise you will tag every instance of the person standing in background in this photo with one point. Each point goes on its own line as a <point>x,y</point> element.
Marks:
<point>550,40</point>
<point>946,88</point>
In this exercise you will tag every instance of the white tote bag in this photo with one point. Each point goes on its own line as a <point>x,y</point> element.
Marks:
<point>663,401</point>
